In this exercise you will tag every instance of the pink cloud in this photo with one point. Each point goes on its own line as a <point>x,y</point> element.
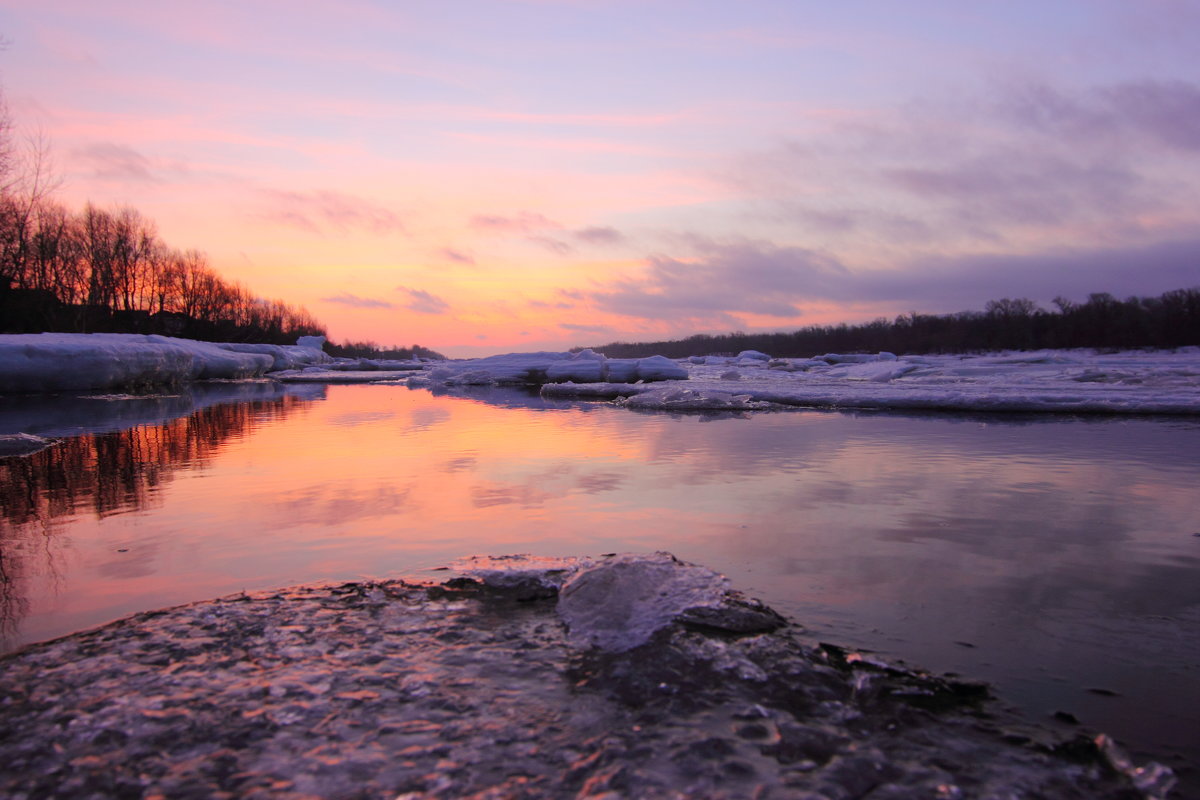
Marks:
<point>323,210</point>
<point>423,302</point>
<point>522,222</point>
<point>457,256</point>
<point>354,301</point>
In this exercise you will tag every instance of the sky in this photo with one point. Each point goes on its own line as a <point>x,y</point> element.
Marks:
<point>511,175</point>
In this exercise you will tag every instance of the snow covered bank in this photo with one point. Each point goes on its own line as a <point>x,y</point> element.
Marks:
<point>55,362</point>
<point>1059,381</point>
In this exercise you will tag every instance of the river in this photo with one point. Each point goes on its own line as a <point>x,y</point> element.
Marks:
<point>1057,558</point>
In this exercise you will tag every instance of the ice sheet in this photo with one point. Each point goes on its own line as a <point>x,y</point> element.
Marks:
<point>1070,381</point>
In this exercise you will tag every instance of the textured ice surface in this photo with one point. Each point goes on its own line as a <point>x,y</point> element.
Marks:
<point>285,356</point>
<point>626,600</point>
<point>1062,381</point>
<point>584,366</point>
<point>682,397</point>
<point>337,374</point>
<point>474,690</point>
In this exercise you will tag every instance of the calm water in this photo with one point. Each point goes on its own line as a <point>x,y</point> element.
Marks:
<point>1050,556</point>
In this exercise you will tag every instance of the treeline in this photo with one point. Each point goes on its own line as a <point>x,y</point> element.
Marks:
<point>368,349</point>
<point>108,270</point>
<point>1102,321</point>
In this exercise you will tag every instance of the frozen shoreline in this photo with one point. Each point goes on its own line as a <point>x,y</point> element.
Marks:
<point>1055,381</point>
<point>640,675</point>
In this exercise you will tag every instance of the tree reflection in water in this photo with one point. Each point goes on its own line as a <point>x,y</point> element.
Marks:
<point>104,474</point>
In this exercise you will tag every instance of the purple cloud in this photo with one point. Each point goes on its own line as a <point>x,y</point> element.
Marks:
<point>1025,159</point>
<point>116,162</point>
<point>967,282</point>
<point>457,256</point>
<point>553,245</point>
<point>749,277</point>
<point>1013,187</point>
<point>598,236</point>
<point>423,302</point>
<point>766,279</point>
<point>354,301</point>
<point>574,328</point>
<point>1157,112</point>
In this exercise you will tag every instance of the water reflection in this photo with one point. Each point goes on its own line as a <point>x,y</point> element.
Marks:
<point>103,474</point>
<point>1048,555</point>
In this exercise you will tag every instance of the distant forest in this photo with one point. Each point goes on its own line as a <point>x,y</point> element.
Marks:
<point>1102,321</point>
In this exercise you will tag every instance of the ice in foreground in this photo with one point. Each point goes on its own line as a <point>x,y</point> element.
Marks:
<point>664,683</point>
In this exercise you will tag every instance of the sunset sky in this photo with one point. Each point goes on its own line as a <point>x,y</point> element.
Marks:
<point>483,177</point>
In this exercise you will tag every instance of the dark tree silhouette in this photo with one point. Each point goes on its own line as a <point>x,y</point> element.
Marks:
<point>1169,320</point>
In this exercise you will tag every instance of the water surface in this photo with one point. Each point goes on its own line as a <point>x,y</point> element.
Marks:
<point>1057,558</point>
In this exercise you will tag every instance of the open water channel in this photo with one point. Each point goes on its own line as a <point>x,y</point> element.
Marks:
<point>1057,558</point>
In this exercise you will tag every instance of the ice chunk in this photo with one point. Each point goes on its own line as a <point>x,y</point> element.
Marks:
<point>753,355</point>
<point>620,603</point>
<point>660,368</point>
<point>315,342</point>
<point>584,367</point>
<point>285,356</point>
<point>621,370</point>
